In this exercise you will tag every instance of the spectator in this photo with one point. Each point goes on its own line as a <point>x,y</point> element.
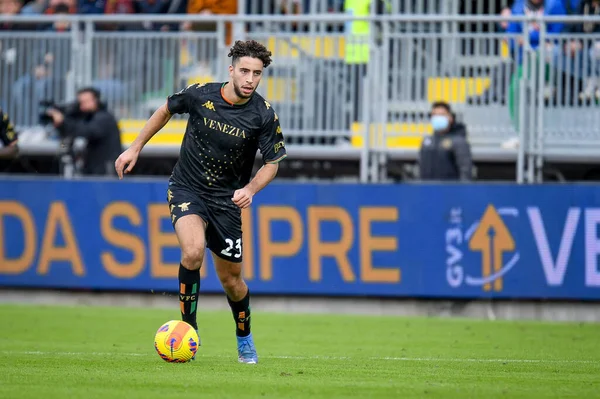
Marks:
<point>121,7</point>
<point>208,7</point>
<point>506,12</point>
<point>532,8</point>
<point>8,138</point>
<point>446,155</point>
<point>35,7</point>
<point>273,7</point>
<point>357,51</point>
<point>44,76</point>
<point>69,5</point>
<point>586,53</point>
<point>10,7</point>
<point>12,52</point>
<point>90,119</point>
<point>60,7</point>
<point>91,6</point>
<point>175,7</point>
<point>58,25</point>
<point>154,7</point>
<point>572,6</point>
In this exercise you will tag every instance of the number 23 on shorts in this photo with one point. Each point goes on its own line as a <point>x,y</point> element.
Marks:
<point>237,247</point>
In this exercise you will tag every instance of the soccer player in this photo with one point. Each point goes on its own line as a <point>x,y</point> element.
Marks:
<point>8,138</point>
<point>210,184</point>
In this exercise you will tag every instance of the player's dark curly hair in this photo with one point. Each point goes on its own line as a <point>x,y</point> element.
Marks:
<point>250,48</point>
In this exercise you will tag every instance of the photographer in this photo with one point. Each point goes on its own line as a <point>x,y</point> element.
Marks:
<point>8,139</point>
<point>90,120</point>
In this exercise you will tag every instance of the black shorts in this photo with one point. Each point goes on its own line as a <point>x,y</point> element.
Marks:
<point>223,224</point>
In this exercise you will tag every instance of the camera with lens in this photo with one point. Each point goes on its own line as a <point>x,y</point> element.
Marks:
<point>69,110</point>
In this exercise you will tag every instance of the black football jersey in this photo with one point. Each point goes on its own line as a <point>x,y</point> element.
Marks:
<point>221,139</point>
<point>7,131</point>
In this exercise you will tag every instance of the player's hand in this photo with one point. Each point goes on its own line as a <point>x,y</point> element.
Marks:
<point>242,198</point>
<point>127,159</point>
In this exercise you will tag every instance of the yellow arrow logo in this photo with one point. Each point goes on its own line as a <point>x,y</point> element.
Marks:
<point>492,238</point>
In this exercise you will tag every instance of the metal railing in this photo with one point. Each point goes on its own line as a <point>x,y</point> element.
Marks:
<point>519,102</point>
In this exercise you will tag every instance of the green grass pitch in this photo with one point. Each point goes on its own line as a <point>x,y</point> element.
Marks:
<point>97,352</point>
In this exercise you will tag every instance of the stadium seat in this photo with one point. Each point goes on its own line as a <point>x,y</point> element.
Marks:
<point>330,47</point>
<point>171,134</point>
<point>410,135</point>
<point>455,90</point>
<point>398,135</point>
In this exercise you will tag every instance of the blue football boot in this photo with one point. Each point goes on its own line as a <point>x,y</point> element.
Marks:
<point>247,350</point>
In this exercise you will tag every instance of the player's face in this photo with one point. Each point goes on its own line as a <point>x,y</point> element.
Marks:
<point>245,76</point>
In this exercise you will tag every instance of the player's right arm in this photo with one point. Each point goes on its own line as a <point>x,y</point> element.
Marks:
<point>128,159</point>
<point>177,103</point>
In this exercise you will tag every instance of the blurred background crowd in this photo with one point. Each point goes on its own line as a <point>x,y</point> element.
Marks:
<point>323,75</point>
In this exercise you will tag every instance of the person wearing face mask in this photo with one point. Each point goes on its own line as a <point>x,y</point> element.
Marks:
<point>445,155</point>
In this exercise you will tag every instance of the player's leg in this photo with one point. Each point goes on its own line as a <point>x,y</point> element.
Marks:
<point>224,238</point>
<point>188,215</point>
<point>238,297</point>
<point>190,233</point>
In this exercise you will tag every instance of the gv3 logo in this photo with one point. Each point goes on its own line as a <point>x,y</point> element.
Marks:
<point>489,241</point>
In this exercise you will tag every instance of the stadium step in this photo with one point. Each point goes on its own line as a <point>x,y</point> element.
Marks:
<point>456,90</point>
<point>397,135</point>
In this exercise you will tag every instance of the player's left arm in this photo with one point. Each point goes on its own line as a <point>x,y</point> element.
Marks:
<point>9,138</point>
<point>272,148</point>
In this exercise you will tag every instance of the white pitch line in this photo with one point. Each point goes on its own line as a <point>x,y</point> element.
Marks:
<point>442,360</point>
<point>398,359</point>
<point>41,353</point>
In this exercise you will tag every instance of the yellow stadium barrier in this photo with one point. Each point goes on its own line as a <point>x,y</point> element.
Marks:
<point>455,90</point>
<point>398,135</point>
<point>171,134</point>
<point>320,47</point>
<point>410,135</point>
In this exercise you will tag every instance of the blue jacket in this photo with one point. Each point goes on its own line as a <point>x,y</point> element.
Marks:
<point>552,7</point>
<point>91,6</point>
<point>572,6</point>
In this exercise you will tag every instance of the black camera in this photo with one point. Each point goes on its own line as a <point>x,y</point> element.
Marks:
<point>66,109</point>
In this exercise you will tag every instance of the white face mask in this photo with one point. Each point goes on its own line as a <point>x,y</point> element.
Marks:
<point>440,122</point>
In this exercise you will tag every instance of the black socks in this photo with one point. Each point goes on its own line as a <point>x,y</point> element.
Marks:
<point>241,315</point>
<point>189,286</point>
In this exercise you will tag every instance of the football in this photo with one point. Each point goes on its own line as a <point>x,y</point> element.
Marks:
<point>176,342</point>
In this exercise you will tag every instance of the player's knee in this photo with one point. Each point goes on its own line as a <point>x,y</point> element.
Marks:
<point>192,258</point>
<point>230,282</point>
